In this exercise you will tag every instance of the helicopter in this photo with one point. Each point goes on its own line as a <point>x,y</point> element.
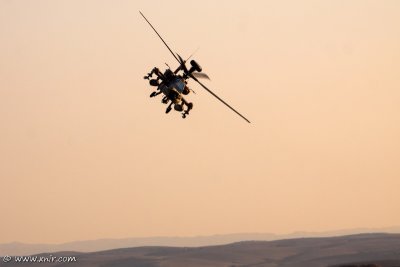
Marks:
<point>173,84</point>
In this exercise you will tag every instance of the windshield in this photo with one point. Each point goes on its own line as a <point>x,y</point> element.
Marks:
<point>179,85</point>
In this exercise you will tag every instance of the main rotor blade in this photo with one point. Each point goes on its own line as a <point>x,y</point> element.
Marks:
<point>211,92</point>
<point>159,36</point>
<point>193,53</point>
<point>182,65</point>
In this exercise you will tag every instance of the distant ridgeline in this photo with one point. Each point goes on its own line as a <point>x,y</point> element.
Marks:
<point>363,250</point>
<point>382,264</point>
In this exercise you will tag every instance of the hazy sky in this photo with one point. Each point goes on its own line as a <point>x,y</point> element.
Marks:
<point>86,154</point>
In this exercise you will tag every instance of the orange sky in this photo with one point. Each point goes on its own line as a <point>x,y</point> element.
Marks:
<point>86,154</point>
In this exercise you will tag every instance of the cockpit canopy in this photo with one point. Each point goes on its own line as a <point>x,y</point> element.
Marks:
<point>178,84</point>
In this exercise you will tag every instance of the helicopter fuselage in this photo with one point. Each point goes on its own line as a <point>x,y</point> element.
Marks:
<point>172,86</point>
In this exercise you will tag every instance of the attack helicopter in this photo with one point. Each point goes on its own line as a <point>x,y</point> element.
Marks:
<point>173,84</point>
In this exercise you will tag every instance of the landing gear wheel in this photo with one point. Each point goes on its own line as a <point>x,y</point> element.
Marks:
<point>183,116</point>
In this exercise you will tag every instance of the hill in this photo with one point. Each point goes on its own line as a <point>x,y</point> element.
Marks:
<point>355,250</point>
